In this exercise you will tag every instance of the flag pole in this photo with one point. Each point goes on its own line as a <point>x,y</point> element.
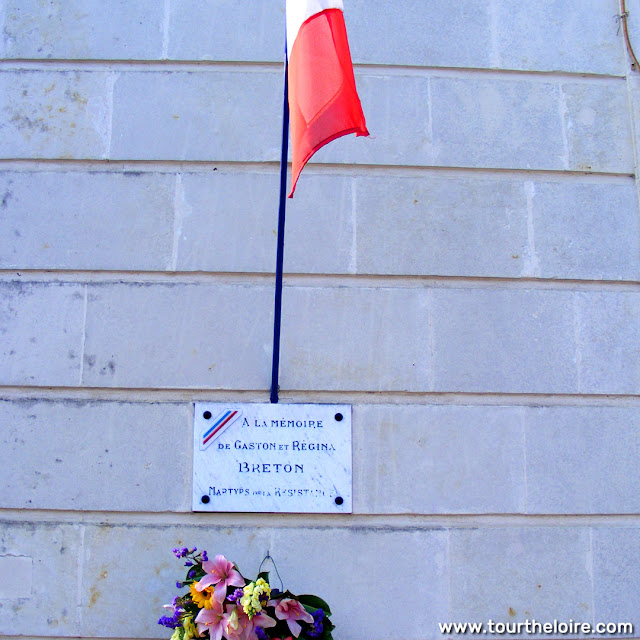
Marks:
<point>277,314</point>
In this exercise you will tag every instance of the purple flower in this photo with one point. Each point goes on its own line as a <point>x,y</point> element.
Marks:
<point>236,595</point>
<point>204,556</point>
<point>188,563</point>
<point>318,626</point>
<point>171,622</point>
<point>191,573</point>
<point>261,634</point>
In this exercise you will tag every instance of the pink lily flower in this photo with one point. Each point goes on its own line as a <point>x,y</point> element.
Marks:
<point>237,623</point>
<point>221,573</point>
<point>291,611</point>
<point>240,627</point>
<point>213,620</point>
<point>260,620</point>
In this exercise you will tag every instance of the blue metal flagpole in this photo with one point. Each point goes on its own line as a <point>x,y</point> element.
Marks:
<point>277,314</point>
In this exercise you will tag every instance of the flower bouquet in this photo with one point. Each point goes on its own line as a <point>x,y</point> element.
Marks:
<point>222,604</point>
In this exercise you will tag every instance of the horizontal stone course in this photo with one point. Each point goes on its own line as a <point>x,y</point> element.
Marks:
<point>218,336</point>
<point>450,225</point>
<point>211,115</point>
<point>516,568</point>
<point>408,459</point>
<point>578,36</point>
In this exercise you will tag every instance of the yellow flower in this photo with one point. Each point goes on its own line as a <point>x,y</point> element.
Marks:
<point>256,595</point>
<point>201,598</point>
<point>190,630</point>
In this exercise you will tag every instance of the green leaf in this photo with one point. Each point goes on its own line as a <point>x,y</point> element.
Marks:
<point>315,603</point>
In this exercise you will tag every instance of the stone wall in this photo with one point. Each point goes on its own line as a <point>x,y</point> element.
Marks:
<point>467,278</point>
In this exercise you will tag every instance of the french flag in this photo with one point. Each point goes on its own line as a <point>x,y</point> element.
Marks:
<point>323,101</point>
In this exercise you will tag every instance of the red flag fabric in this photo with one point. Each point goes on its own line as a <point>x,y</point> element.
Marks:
<point>323,101</point>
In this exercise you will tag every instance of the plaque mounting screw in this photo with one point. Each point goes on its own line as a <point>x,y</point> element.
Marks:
<point>338,417</point>
<point>339,500</point>
<point>205,499</point>
<point>207,415</point>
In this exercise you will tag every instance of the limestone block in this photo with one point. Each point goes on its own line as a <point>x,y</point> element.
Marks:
<point>577,36</point>
<point>513,574</point>
<point>504,341</point>
<point>438,459</point>
<point>582,460</point>
<point>436,225</point>
<point>197,115</point>
<point>177,335</point>
<point>354,338</point>
<point>86,220</point>
<point>201,30</point>
<point>585,230</point>
<point>396,109</point>
<point>228,222</point>
<point>598,126</point>
<point>358,557</point>
<point>42,598</point>
<point>105,456</point>
<point>83,29</point>
<point>55,114</point>
<point>616,565</point>
<point>633,83</point>
<point>482,121</point>
<point>609,341</point>
<point>423,34</point>
<point>41,333</point>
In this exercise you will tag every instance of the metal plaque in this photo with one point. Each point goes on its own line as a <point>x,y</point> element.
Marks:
<point>287,458</point>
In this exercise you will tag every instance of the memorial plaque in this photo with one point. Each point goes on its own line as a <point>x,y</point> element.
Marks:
<point>286,458</point>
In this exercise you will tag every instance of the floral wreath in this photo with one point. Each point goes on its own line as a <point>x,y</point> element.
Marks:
<point>223,605</point>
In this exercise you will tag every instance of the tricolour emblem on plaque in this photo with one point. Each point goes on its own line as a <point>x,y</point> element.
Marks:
<point>218,426</point>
